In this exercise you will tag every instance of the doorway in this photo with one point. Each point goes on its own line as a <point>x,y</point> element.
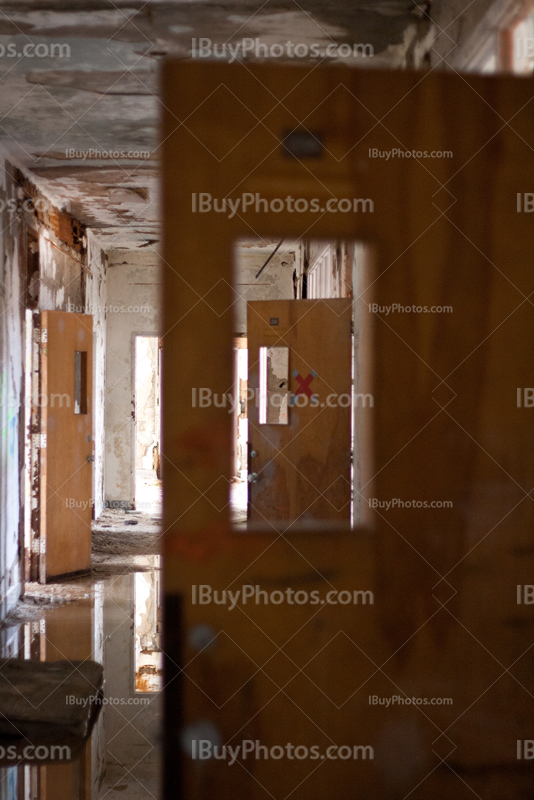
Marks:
<point>147,428</point>
<point>300,402</point>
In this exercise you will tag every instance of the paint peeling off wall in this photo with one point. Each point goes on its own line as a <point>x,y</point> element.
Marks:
<point>95,297</point>
<point>274,283</point>
<point>11,393</point>
<point>473,30</point>
<point>133,307</point>
<point>73,279</point>
<point>61,287</point>
<point>146,367</point>
<point>59,284</point>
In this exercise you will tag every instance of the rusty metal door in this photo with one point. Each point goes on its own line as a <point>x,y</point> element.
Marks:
<point>65,443</point>
<point>300,421</point>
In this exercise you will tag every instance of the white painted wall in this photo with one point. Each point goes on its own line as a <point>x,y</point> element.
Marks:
<point>133,299</point>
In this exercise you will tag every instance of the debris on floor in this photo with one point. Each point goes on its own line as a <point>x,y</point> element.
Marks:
<point>52,686</point>
<point>117,549</point>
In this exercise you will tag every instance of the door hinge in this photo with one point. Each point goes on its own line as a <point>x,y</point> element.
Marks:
<point>39,546</point>
<point>38,627</point>
<point>40,335</point>
<point>39,441</point>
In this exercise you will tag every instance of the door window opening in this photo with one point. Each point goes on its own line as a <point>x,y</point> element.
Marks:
<point>303,404</point>
<point>80,382</point>
<point>274,385</point>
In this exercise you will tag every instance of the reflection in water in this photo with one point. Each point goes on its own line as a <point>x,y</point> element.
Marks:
<point>118,624</point>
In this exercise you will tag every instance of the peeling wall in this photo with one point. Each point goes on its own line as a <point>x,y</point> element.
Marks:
<point>62,277</point>
<point>73,279</point>
<point>146,400</point>
<point>467,35</point>
<point>133,298</point>
<point>65,282</point>
<point>329,268</point>
<point>274,283</point>
<point>95,304</point>
<point>11,393</point>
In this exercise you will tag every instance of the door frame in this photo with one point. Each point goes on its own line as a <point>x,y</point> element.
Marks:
<point>135,335</point>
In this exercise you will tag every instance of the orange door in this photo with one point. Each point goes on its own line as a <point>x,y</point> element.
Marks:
<point>431,679</point>
<point>66,442</point>
<point>299,416</point>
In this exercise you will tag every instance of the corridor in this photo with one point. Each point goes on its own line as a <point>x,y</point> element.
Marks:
<point>266,325</point>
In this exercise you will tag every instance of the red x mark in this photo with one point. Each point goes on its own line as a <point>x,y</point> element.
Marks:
<point>304,383</point>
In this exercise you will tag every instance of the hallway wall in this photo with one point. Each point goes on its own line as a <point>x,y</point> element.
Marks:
<point>466,37</point>
<point>133,292</point>
<point>95,304</point>
<point>66,280</point>
<point>11,391</point>
<point>61,275</point>
<point>147,401</point>
<point>74,280</point>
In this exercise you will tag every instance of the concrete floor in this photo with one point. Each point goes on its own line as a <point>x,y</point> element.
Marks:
<point>148,492</point>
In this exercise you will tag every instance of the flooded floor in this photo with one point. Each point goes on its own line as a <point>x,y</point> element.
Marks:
<point>112,617</point>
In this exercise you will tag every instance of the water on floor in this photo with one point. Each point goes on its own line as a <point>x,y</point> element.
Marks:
<point>113,618</point>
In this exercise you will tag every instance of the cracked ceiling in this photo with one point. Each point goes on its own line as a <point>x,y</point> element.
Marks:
<point>83,122</point>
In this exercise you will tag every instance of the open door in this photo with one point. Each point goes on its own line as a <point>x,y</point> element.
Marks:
<point>416,680</point>
<point>300,421</point>
<point>65,444</point>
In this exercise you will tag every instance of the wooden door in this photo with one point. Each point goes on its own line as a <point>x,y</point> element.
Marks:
<point>448,638</point>
<point>66,442</point>
<point>299,466</point>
